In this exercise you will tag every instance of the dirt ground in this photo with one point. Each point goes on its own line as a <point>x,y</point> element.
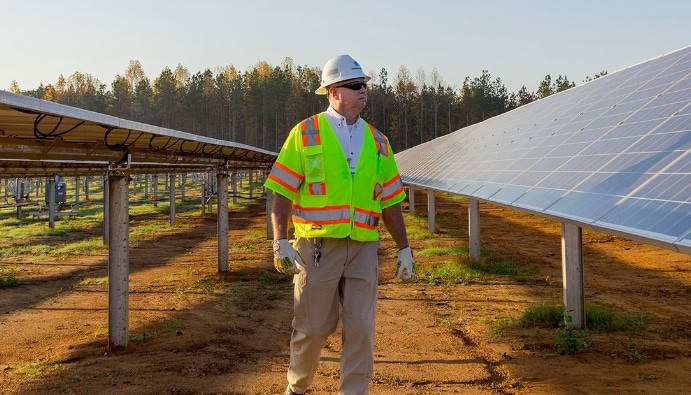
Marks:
<point>194,330</point>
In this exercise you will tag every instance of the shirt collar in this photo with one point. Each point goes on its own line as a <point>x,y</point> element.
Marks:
<point>340,118</point>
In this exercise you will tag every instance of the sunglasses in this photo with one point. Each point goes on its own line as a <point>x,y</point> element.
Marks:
<point>356,85</point>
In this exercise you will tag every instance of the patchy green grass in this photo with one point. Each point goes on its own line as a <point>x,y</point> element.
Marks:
<point>256,294</point>
<point>8,277</point>
<point>598,318</point>
<point>94,281</point>
<point>34,370</point>
<point>461,270</point>
<point>35,251</point>
<point>84,247</point>
<point>441,251</point>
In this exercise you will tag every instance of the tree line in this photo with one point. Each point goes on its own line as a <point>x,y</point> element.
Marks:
<point>260,105</point>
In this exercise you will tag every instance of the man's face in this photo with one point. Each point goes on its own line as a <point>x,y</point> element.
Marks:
<point>351,94</point>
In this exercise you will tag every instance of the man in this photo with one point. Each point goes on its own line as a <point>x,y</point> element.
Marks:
<point>337,176</point>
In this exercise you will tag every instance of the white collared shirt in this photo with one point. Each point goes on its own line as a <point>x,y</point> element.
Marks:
<point>351,137</point>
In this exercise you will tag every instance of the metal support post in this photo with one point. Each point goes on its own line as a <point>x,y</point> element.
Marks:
<point>234,186</point>
<point>251,182</point>
<point>171,195</point>
<point>474,229</point>
<point>118,256</point>
<point>222,194</point>
<point>51,202</point>
<point>431,211</point>
<point>76,190</point>
<point>106,213</point>
<point>411,199</point>
<point>155,187</point>
<point>572,273</point>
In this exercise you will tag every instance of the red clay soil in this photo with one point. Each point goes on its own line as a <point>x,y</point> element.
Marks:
<point>194,330</point>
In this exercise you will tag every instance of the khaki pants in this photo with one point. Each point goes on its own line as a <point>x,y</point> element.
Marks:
<point>346,278</point>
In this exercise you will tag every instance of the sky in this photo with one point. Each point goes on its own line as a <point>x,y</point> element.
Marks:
<point>518,41</point>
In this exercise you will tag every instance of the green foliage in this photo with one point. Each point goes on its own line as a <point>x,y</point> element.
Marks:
<point>597,318</point>
<point>570,341</point>
<point>448,274</point>
<point>8,277</point>
<point>142,337</point>
<point>441,251</point>
<point>543,315</point>
<point>84,247</point>
<point>604,318</point>
<point>94,281</point>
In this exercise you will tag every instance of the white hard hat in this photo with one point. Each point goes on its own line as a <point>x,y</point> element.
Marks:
<point>337,69</point>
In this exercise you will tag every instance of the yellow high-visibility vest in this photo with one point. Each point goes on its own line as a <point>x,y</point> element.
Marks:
<point>328,201</point>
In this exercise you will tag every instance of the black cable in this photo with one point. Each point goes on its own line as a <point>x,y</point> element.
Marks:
<point>119,146</point>
<point>52,133</point>
<point>167,145</point>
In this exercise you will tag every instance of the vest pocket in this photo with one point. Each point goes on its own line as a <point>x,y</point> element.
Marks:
<point>314,164</point>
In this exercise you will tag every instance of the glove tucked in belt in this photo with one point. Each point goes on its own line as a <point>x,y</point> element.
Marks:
<point>405,267</point>
<point>286,258</point>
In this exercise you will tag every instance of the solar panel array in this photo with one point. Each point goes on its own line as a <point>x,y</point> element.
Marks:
<point>35,131</point>
<point>614,154</point>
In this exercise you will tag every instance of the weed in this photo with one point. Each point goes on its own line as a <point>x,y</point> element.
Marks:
<point>542,315</point>
<point>570,341</point>
<point>94,281</point>
<point>448,274</point>
<point>8,277</point>
<point>604,318</point>
<point>647,376</point>
<point>206,285</point>
<point>441,251</point>
<point>85,247</point>
<point>141,337</point>
<point>598,318</point>
<point>33,370</point>
<point>634,354</point>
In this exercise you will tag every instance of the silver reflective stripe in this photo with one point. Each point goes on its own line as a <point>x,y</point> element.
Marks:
<point>323,216</point>
<point>288,180</point>
<point>311,136</point>
<point>391,189</point>
<point>317,188</point>
<point>366,219</point>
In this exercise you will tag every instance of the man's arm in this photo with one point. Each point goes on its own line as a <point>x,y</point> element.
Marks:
<point>393,219</point>
<point>280,215</point>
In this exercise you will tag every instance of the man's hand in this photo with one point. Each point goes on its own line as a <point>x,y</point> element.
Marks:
<point>405,268</point>
<point>286,258</point>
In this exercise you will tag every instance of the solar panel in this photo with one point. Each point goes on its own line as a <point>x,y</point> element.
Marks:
<point>613,154</point>
<point>33,129</point>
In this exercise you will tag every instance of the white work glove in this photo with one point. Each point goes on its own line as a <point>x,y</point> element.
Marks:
<point>405,267</point>
<point>286,258</point>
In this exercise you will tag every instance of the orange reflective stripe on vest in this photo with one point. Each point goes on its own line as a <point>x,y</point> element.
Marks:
<point>392,188</point>
<point>380,141</point>
<point>365,219</point>
<point>310,132</point>
<point>321,216</point>
<point>286,177</point>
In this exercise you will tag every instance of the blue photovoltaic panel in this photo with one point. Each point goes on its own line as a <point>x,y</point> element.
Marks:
<point>614,153</point>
